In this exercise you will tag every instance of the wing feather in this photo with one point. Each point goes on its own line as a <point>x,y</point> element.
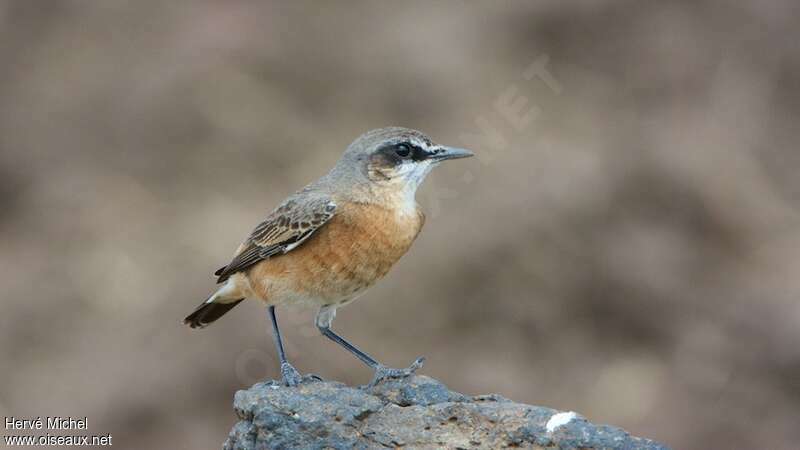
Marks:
<point>285,229</point>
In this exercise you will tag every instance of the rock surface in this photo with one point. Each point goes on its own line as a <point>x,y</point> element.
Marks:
<point>418,412</point>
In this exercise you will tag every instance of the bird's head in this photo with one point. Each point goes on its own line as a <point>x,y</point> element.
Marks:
<point>395,157</point>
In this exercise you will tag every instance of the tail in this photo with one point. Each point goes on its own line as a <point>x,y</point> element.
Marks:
<point>208,312</point>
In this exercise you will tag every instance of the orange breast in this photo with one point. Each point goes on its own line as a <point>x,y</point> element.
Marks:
<point>351,252</point>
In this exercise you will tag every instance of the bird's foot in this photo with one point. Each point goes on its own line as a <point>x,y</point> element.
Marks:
<point>385,373</point>
<point>291,377</point>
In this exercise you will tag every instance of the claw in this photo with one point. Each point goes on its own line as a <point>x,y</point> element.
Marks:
<point>310,377</point>
<point>384,373</point>
<point>291,377</point>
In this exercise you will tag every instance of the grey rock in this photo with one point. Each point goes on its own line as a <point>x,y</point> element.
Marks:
<point>418,412</point>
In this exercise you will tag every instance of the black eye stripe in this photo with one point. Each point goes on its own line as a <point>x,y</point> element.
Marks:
<point>403,151</point>
<point>416,153</point>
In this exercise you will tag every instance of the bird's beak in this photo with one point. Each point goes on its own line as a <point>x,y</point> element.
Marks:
<point>443,153</point>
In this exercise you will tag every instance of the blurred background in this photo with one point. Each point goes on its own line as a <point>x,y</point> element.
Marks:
<point>626,245</point>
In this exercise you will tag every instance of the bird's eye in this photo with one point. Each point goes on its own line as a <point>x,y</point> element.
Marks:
<point>403,150</point>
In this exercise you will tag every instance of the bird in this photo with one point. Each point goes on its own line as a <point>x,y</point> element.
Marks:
<point>326,244</point>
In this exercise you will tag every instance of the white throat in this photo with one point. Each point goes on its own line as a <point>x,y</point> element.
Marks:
<point>412,179</point>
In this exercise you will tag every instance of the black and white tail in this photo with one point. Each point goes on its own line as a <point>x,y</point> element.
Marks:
<point>208,312</point>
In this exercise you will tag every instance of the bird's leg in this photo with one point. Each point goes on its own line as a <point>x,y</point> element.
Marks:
<point>323,322</point>
<point>290,375</point>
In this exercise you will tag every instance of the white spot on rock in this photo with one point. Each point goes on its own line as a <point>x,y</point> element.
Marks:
<point>559,420</point>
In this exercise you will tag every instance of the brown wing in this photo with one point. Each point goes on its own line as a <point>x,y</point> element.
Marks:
<point>285,229</point>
